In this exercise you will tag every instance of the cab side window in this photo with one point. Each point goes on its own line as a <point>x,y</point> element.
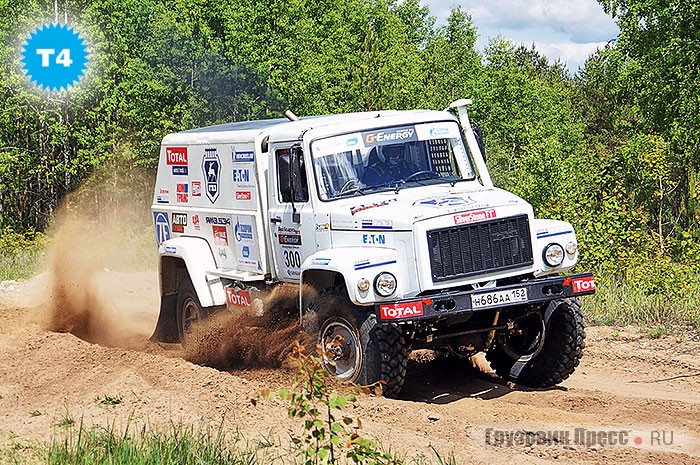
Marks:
<point>296,171</point>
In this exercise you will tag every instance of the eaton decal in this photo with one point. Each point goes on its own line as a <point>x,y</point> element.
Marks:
<point>374,239</point>
<point>401,310</point>
<point>471,217</point>
<point>211,168</point>
<point>176,156</point>
<point>241,176</point>
<point>162,225</point>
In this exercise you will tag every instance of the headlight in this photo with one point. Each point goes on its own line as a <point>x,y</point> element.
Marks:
<point>363,285</point>
<point>385,284</point>
<point>553,255</point>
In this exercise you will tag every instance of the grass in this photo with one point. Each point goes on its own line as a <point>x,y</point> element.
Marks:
<point>109,400</point>
<point>619,303</point>
<point>21,255</point>
<point>177,444</point>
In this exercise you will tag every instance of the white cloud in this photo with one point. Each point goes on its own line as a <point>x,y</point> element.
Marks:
<point>568,30</point>
<point>574,55</point>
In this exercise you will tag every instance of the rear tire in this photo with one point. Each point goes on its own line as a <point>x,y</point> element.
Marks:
<point>189,310</point>
<point>541,363</point>
<point>356,347</point>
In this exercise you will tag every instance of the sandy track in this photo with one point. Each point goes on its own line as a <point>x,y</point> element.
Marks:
<point>626,383</point>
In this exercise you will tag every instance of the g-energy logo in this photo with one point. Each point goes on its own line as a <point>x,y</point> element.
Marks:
<point>404,134</point>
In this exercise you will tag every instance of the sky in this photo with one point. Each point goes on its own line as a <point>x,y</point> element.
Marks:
<point>569,30</point>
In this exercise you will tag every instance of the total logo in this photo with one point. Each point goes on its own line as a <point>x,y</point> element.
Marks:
<point>176,156</point>
<point>401,310</point>
<point>586,284</point>
<point>237,298</point>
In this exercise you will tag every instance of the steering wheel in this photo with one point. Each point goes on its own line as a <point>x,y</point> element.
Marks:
<point>349,184</point>
<point>418,174</point>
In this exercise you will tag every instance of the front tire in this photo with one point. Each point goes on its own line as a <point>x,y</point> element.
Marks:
<point>547,349</point>
<point>356,347</point>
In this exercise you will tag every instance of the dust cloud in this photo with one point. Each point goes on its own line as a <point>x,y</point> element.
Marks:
<point>235,339</point>
<point>101,283</point>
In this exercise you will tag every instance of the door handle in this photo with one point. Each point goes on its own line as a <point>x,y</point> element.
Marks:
<point>275,220</point>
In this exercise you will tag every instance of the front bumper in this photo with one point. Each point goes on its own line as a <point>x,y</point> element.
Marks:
<point>453,303</point>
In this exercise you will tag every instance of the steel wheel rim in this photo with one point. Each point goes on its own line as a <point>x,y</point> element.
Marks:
<point>342,356</point>
<point>190,314</point>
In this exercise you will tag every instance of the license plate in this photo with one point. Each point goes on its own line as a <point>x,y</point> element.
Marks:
<point>498,298</point>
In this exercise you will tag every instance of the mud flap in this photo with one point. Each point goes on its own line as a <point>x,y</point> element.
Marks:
<point>522,361</point>
<point>166,328</point>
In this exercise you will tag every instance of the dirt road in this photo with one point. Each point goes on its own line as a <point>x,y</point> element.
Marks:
<point>629,388</point>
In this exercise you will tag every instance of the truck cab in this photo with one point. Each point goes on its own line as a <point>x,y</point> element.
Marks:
<point>391,219</point>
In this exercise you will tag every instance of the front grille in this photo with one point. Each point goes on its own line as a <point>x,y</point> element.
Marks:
<point>488,246</point>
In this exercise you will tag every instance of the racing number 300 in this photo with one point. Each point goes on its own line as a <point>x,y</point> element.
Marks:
<point>292,259</point>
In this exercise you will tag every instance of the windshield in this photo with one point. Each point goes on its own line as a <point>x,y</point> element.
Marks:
<point>354,163</point>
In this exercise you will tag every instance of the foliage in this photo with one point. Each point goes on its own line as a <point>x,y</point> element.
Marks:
<point>328,434</point>
<point>613,150</point>
<point>22,255</point>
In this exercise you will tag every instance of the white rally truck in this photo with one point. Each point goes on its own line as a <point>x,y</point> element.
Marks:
<point>392,219</point>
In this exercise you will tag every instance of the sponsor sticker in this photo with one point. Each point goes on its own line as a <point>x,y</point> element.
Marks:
<point>321,261</point>
<point>170,249</point>
<point>243,195</point>
<point>179,222</point>
<point>242,157</point>
<point>290,239</point>
<point>586,284</point>
<point>211,168</point>
<point>390,135</point>
<point>163,196</point>
<point>401,310</point>
<point>196,188</point>
<point>243,231</point>
<point>180,170</point>
<point>374,239</point>
<point>217,220</point>
<point>176,156</point>
<point>449,201</point>
<point>359,208</point>
<point>183,192</point>
<point>236,298</point>
<point>245,251</point>
<point>162,226</point>
<point>220,235</point>
<point>195,222</point>
<point>471,217</point>
<point>241,176</point>
<point>377,224</point>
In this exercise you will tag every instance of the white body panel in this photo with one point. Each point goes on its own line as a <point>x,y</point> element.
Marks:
<point>220,184</point>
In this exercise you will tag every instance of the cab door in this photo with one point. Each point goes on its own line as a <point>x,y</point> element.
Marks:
<point>290,212</point>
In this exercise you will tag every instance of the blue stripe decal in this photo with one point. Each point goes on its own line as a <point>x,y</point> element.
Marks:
<point>543,235</point>
<point>372,265</point>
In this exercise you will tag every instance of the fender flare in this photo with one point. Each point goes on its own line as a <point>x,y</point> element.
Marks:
<point>346,266</point>
<point>178,258</point>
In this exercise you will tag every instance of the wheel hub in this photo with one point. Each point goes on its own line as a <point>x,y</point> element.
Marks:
<point>341,351</point>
